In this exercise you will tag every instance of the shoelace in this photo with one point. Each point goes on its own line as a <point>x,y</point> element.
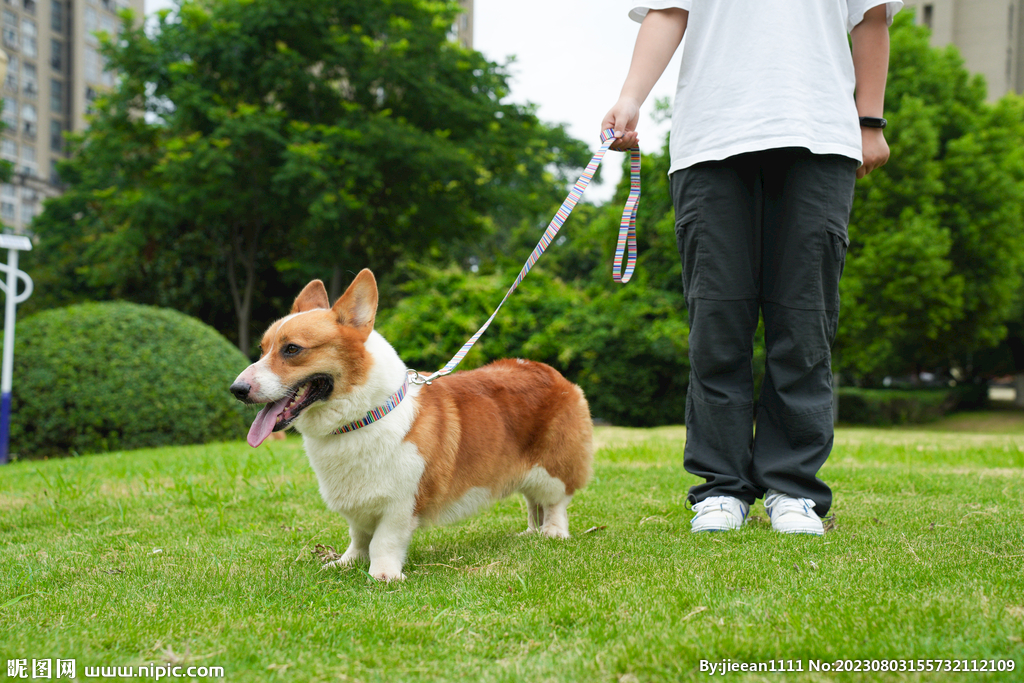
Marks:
<point>716,503</point>
<point>781,503</point>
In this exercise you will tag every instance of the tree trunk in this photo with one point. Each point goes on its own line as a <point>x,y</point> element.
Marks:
<point>243,252</point>
<point>1018,384</point>
<point>335,288</point>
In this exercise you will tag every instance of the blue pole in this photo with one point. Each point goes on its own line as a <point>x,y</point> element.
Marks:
<point>11,291</point>
<point>14,243</point>
<point>5,425</point>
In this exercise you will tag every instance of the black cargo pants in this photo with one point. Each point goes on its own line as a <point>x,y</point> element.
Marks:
<point>762,233</point>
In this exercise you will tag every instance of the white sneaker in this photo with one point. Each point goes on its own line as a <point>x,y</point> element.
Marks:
<point>791,515</point>
<point>719,513</point>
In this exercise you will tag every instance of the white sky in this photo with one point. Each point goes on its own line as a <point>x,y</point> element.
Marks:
<point>571,59</point>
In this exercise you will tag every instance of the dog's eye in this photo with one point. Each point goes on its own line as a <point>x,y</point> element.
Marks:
<point>291,350</point>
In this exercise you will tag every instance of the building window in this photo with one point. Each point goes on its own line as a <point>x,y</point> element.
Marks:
<point>57,16</point>
<point>10,113</point>
<point>7,211</point>
<point>56,96</point>
<point>30,6</point>
<point>13,67</point>
<point>56,136</point>
<point>9,149</point>
<point>927,15</point>
<point>29,119</point>
<point>28,38</point>
<point>92,65</point>
<point>28,160</point>
<point>29,79</point>
<point>10,29</point>
<point>54,173</point>
<point>91,24</point>
<point>109,24</point>
<point>56,54</point>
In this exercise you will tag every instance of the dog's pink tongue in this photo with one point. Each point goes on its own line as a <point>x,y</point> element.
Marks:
<point>264,423</point>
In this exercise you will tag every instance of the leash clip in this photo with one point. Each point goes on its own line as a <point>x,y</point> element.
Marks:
<point>416,378</point>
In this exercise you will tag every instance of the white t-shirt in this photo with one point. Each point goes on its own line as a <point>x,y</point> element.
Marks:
<point>765,74</point>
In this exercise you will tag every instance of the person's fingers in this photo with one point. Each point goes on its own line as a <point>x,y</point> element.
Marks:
<point>622,118</point>
<point>625,140</point>
<point>616,119</point>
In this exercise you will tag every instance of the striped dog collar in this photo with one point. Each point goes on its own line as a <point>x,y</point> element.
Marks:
<point>378,412</point>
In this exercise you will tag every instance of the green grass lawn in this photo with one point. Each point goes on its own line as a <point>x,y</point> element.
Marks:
<point>205,556</point>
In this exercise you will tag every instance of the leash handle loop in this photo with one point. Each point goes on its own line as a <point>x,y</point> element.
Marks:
<point>626,246</point>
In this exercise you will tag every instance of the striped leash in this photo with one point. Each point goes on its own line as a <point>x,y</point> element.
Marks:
<point>626,245</point>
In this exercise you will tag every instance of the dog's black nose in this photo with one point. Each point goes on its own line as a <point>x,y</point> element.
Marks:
<point>241,390</point>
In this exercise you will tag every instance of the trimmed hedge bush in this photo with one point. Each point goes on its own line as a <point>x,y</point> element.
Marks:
<point>111,376</point>
<point>883,407</point>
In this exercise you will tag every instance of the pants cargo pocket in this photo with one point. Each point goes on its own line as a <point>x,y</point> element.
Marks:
<point>688,243</point>
<point>833,262</point>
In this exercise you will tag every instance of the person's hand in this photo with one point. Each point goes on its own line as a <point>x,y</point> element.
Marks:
<point>622,118</point>
<point>875,150</point>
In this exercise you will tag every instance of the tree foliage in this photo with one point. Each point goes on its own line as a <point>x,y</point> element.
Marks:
<point>936,258</point>
<point>252,143</point>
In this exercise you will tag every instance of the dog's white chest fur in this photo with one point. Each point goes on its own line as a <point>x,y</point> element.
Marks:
<point>367,472</point>
<point>364,473</point>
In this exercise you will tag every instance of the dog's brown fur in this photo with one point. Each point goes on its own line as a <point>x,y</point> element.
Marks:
<point>490,426</point>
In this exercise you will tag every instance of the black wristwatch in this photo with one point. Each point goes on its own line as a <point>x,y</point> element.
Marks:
<point>872,122</point>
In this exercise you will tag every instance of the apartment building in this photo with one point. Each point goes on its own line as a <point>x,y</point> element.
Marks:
<point>989,34</point>
<point>54,72</point>
<point>463,28</point>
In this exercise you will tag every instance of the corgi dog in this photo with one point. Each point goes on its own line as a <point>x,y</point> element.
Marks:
<point>391,455</point>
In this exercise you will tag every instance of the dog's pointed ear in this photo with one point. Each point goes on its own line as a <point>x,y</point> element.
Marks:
<point>357,307</point>
<point>313,295</point>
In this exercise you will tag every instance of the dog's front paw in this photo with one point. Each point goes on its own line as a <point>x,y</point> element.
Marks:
<point>352,555</point>
<point>387,577</point>
<point>552,531</point>
<point>387,571</point>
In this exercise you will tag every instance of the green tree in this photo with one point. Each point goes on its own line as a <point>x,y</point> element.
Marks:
<point>252,143</point>
<point>937,235</point>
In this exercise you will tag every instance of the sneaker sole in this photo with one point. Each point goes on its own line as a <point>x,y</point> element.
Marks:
<point>802,531</point>
<point>705,529</point>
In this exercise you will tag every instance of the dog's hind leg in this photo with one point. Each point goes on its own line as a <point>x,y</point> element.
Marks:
<point>556,519</point>
<point>358,547</point>
<point>546,501</point>
<point>534,515</point>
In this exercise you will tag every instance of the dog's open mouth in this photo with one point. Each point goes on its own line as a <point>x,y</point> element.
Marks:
<point>276,416</point>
